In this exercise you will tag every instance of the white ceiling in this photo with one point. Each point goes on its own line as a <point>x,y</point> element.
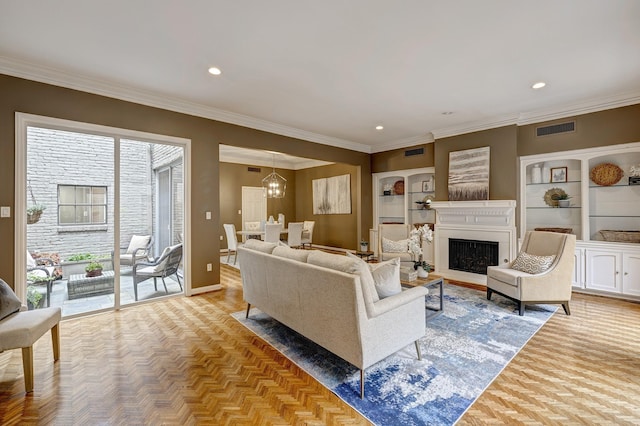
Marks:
<point>329,71</point>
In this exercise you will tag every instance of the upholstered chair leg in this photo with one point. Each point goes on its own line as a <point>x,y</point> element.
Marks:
<point>362,384</point>
<point>55,339</point>
<point>27,365</point>
<point>565,305</point>
<point>521,308</point>
<point>489,292</point>
<point>418,350</point>
<point>248,307</point>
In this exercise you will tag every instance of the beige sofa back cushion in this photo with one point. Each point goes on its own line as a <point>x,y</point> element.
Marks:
<point>289,253</point>
<point>333,261</point>
<point>260,245</point>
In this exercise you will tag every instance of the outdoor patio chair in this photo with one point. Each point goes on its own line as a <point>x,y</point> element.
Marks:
<point>139,249</point>
<point>165,265</point>
<point>41,272</point>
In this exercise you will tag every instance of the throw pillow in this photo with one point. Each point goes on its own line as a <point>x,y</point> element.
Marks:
<point>386,276</point>
<point>532,264</point>
<point>9,302</point>
<point>390,246</point>
<point>260,245</point>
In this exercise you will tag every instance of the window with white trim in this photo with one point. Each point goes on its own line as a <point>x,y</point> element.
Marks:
<point>79,204</point>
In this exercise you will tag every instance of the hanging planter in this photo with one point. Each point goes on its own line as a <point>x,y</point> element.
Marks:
<point>35,211</point>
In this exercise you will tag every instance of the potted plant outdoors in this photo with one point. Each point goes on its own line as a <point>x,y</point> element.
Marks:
<point>34,212</point>
<point>93,269</point>
<point>35,299</point>
<point>35,282</point>
<point>76,263</point>
<point>562,199</point>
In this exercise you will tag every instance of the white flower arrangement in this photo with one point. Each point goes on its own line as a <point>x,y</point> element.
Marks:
<point>416,237</point>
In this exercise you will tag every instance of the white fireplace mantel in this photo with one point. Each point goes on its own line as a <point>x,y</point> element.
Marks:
<point>489,220</point>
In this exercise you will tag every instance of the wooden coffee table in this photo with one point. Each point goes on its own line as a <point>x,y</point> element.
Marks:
<point>431,281</point>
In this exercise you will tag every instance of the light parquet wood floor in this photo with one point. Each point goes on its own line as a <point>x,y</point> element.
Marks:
<point>185,361</point>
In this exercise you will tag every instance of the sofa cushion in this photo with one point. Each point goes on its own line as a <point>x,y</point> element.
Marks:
<point>9,302</point>
<point>290,253</point>
<point>532,264</point>
<point>390,246</point>
<point>385,275</point>
<point>260,245</point>
<point>333,261</point>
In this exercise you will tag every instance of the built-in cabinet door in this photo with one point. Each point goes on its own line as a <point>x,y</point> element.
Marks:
<point>631,274</point>
<point>604,270</point>
<point>578,268</point>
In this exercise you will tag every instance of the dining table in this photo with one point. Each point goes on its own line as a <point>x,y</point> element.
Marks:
<point>256,233</point>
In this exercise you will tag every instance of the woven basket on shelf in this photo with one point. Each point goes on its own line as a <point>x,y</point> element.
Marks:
<point>559,230</point>
<point>606,174</point>
<point>620,236</point>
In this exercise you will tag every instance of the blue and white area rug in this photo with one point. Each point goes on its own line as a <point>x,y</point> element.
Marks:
<point>463,351</point>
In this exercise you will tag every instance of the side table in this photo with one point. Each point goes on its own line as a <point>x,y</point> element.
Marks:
<point>431,281</point>
<point>366,255</point>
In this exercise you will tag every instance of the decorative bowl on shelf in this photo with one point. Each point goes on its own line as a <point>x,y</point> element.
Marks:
<point>398,187</point>
<point>606,174</point>
<point>552,196</point>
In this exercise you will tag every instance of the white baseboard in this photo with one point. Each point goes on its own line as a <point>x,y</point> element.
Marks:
<point>205,289</point>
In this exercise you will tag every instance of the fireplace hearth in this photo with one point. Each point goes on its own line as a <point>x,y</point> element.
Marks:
<point>472,255</point>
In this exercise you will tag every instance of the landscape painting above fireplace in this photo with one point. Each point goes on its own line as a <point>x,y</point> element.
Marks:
<point>469,174</point>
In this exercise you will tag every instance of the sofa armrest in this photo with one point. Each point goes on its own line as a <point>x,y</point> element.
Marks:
<point>393,302</point>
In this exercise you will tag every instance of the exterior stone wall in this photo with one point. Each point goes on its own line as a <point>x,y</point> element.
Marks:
<point>57,157</point>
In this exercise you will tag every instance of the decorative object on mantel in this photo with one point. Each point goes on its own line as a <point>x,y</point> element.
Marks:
<point>387,190</point>
<point>425,204</point>
<point>398,187</point>
<point>606,174</point>
<point>469,174</point>
<point>559,230</point>
<point>552,196</point>
<point>620,236</point>
<point>364,246</point>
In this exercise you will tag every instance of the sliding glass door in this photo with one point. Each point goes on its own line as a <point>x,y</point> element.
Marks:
<point>105,216</point>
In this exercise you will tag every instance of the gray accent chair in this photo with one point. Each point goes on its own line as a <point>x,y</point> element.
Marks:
<point>550,286</point>
<point>165,265</point>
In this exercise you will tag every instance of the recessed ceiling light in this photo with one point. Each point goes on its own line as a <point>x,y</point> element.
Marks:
<point>447,113</point>
<point>379,127</point>
<point>539,85</point>
<point>215,71</point>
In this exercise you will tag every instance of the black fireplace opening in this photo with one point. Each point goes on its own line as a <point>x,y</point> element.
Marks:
<point>472,256</point>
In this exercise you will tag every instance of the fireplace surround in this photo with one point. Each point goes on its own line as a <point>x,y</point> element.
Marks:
<point>487,221</point>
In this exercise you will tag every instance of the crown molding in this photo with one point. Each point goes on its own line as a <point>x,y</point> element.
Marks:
<point>404,143</point>
<point>57,77</point>
<point>476,126</point>
<point>586,107</point>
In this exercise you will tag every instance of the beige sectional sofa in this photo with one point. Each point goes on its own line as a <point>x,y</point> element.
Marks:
<point>332,300</point>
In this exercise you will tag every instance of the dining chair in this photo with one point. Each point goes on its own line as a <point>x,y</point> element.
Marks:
<point>272,232</point>
<point>294,238</point>
<point>307,232</point>
<point>232,241</point>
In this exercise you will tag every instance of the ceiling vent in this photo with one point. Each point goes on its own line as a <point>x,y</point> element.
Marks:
<point>411,152</point>
<point>254,169</point>
<point>554,129</point>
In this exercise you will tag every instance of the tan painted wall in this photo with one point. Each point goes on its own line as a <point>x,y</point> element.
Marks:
<point>19,95</point>
<point>333,230</point>
<point>610,127</point>
<point>234,176</point>
<point>504,166</point>
<point>395,160</point>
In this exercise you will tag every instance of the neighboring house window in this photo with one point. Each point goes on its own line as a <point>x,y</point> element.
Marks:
<point>82,204</point>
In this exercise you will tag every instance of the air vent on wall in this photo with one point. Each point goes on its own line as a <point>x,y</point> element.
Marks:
<point>417,151</point>
<point>254,169</point>
<point>556,128</point>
